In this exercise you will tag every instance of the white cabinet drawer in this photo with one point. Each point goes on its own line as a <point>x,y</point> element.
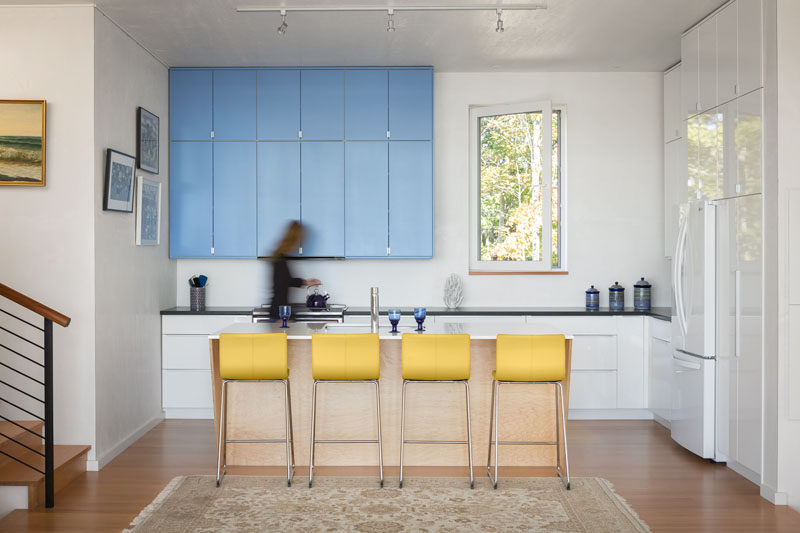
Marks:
<point>594,352</point>
<point>199,324</point>
<point>593,390</point>
<point>185,352</point>
<point>187,389</point>
<point>576,325</point>
<point>480,319</point>
<point>660,329</point>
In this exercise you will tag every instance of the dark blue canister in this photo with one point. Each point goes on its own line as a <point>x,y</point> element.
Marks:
<point>616,297</point>
<point>592,299</point>
<point>641,295</point>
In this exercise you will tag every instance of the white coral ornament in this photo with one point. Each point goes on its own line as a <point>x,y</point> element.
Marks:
<point>453,291</point>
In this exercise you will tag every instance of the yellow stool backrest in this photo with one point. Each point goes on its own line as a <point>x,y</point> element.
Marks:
<point>345,356</point>
<point>530,358</point>
<point>432,357</point>
<point>252,356</point>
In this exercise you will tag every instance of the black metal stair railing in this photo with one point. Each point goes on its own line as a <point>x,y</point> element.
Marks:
<point>29,387</point>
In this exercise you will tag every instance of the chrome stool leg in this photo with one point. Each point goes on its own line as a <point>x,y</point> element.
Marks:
<point>564,432</point>
<point>313,433</point>
<point>492,429</point>
<point>291,426</point>
<point>380,443</point>
<point>469,437</point>
<point>402,429</point>
<point>222,432</point>
<point>287,425</point>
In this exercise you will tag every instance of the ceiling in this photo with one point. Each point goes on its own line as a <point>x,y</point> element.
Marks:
<point>570,35</point>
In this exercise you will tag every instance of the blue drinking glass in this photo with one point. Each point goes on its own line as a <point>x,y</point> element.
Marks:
<point>394,318</point>
<point>419,315</point>
<point>285,311</point>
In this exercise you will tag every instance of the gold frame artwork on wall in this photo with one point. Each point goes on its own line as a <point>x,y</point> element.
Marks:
<point>22,142</point>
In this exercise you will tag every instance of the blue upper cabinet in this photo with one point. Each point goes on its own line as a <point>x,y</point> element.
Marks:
<point>278,105</point>
<point>411,104</point>
<point>235,105</point>
<point>234,199</point>
<point>278,192</point>
<point>190,199</point>
<point>366,104</point>
<point>190,116</point>
<point>411,199</point>
<point>322,198</point>
<point>322,105</point>
<point>366,193</point>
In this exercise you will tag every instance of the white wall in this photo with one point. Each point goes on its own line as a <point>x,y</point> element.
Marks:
<point>133,283</point>
<point>47,234</point>
<point>614,183</point>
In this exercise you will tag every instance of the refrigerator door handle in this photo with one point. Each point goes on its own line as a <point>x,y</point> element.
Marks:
<point>737,338</point>
<point>680,250</point>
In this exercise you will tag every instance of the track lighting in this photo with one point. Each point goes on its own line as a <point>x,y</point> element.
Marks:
<point>499,28</point>
<point>390,21</point>
<point>283,26</point>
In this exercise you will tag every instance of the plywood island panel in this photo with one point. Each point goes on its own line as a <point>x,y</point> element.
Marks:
<point>347,411</point>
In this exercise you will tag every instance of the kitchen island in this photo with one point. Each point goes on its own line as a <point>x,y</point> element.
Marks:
<point>346,411</point>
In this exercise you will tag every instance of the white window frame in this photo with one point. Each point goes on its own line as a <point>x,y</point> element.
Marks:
<point>545,264</point>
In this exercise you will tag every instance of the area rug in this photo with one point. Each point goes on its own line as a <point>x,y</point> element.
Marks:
<point>255,504</point>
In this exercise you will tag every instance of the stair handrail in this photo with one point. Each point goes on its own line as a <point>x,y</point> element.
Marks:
<point>32,305</point>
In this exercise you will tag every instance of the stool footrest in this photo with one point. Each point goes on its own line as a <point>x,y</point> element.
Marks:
<point>345,441</point>
<point>257,441</point>
<point>435,442</point>
<point>521,443</point>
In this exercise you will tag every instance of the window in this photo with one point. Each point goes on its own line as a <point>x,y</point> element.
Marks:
<point>513,191</point>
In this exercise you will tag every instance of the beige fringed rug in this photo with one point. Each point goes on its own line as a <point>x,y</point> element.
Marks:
<point>256,504</point>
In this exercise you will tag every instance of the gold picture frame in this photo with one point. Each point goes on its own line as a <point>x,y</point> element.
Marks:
<point>22,142</point>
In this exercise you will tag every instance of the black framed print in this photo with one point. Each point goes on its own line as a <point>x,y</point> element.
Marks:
<point>147,140</point>
<point>118,194</point>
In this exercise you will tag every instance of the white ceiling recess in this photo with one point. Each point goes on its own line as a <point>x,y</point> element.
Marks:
<point>570,35</point>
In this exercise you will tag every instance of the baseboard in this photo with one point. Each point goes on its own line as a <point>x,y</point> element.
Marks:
<point>610,414</point>
<point>13,497</point>
<point>773,496</point>
<point>189,413</point>
<point>121,446</point>
<point>745,472</point>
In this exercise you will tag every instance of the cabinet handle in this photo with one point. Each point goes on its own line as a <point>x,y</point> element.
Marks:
<point>388,134</point>
<point>212,250</point>
<point>735,88</point>
<point>300,250</point>
<point>697,107</point>
<point>388,251</point>
<point>212,134</point>
<point>737,339</point>
<point>299,134</point>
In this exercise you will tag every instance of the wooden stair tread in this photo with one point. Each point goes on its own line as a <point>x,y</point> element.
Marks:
<point>13,473</point>
<point>15,432</point>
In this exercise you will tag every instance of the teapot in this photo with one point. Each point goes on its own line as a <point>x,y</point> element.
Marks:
<point>316,300</point>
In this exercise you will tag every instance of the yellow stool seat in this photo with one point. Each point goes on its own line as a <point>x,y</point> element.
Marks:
<point>253,356</point>
<point>432,357</point>
<point>345,357</point>
<point>530,358</point>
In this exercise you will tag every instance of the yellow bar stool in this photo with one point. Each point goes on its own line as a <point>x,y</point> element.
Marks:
<point>259,358</point>
<point>431,358</point>
<point>345,358</point>
<point>531,360</point>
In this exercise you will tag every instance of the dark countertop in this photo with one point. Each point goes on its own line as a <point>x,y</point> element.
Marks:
<point>208,311</point>
<point>661,313</point>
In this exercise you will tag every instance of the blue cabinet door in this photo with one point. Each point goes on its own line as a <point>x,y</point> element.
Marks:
<point>411,104</point>
<point>366,94</point>
<point>278,192</point>
<point>278,105</point>
<point>190,104</point>
<point>366,194</point>
<point>235,105</point>
<point>322,104</point>
<point>234,199</point>
<point>322,198</point>
<point>411,199</point>
<point>190,200</point>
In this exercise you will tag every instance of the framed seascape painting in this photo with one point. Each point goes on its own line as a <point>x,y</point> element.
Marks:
<point>118,194</point>
<point>22,140</point>
<point>147,140</point>
<point>148,211</point>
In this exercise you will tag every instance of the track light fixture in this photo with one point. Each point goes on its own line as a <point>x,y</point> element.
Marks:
<point>390,21</point>
<point>499,28</point>
<point>283,26</point>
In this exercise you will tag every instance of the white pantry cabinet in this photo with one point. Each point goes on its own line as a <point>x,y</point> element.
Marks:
<point>675,190</point>
<point>727,53</point>
<point>186,363</point>
<point>707,65</point>
<point>673,117</point>
<point>750,46</point>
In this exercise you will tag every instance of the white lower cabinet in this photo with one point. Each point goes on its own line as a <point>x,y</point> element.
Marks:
<point>660,379</point>
<point>186,363</point>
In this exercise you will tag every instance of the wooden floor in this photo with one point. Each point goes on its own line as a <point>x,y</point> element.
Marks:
<point>671,489</point>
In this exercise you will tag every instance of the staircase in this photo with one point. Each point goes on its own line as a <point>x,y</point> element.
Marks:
<point>32,467</point>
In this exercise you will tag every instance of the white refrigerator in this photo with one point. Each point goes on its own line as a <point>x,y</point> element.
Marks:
<point>716,332</point>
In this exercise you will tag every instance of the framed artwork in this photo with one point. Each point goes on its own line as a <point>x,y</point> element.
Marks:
<point>147,140</point>
<point>148,211</point>
<point>118,195</point>
<point>22,142</point>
